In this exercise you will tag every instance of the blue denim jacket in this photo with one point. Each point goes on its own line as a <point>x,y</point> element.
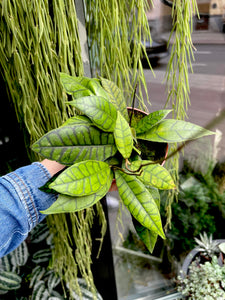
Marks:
<point>20,203</point>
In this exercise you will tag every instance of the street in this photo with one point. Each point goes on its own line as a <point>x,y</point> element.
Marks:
<point>207,87</point>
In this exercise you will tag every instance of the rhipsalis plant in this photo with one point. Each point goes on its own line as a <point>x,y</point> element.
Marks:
<point>104,142</point>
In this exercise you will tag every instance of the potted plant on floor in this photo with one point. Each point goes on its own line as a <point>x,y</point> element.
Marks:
<point>102,143</point>
<point>203,272</point>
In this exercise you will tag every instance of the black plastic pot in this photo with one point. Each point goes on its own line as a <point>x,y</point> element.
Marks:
<point>149,150</point>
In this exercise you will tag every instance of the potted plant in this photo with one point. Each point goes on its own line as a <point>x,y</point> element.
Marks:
<point>203,272</point>
<point>101,143</point>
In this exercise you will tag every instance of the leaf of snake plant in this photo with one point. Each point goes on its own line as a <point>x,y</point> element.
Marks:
<point>65,203</point>
<point>151,120</point>
<point>102,113</point>
<point>70,144</point>
<point>82,86</point>
<point>115,96</point>
<point>148,237</point>
<point>82,179</point>
<point>172,131</point>
<point>139,202</point>
<point>123,136</point>
<point>154,175</point>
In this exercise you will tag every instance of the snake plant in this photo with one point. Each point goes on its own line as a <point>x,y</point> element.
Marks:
<point>102,143</point>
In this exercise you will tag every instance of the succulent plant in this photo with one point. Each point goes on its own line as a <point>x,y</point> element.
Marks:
<point>206,245</point>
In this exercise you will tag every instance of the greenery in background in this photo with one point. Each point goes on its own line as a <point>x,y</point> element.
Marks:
<point>204,277</point>
<point>178,94</point>
<point>204,282</point>
<point>25,273</point>
<point>111,36</point>
<point>38,40</point>
<point>200,206</point>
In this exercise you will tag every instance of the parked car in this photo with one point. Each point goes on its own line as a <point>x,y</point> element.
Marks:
<point>155,50</point>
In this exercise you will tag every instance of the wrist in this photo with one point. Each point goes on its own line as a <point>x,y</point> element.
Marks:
<point>52,166</point>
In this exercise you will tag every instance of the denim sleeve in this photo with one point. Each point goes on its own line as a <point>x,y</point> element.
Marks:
<point>20,203</point>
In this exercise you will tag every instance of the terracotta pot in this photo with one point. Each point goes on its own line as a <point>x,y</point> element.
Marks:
<point>149,150</point>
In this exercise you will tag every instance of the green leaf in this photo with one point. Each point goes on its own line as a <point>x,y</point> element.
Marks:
<point>76,86</point>
<point>82,86</point>
<point>99,110</point>
<point>147,122</point>
<point>71,144</point>
<point>81,120</point>
<point>123,136</point>
<point>139,202</point>
<point>171,131</point>
<point>115,96</point>
<point>155,194</point>
<point>82,179</point>
<point>148,237</point>
<point>154,175</point>
<point>65,203</point>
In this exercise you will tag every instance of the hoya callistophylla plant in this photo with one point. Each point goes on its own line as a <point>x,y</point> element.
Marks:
<point>101,144</point>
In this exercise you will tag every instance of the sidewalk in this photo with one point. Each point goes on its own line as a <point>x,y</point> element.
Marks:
<point>203,37</point>
<point>208,37</point>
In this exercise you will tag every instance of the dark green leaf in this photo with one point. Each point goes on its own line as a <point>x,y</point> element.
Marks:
<point>147,122</point>
<point>139,202</point>
<point>148,237</point>
<point>82,179</point>
<point>171,131</point>
<point>99,110</point>
<point>71,144</point>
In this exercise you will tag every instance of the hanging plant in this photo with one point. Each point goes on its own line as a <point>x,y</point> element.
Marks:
<point>102,144</point>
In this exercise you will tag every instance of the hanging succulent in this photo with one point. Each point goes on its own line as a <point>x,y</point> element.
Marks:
<point>101,144</point>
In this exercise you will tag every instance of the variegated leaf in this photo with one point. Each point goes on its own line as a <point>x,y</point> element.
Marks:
<point>148,237</point>
<point>102,113</point>
<point>40,291</point>
<point>39,233</point>
<point>123,136</point>
<point>82,86</point>
<point>70,144</point>
<point>154,175</point>
<point>115,96</point>
<point>172,131</point>
<point>77,120</point>
<point>37,274</point>
<point>147,122</point>
<point>139,202</point>
<point>42,255</point>
<point>65,203</point>
<point>9,281</point>
<point>19,256</point>
<point>76,86</point>
<point>155,194</point>
<point>82,179</point>
<point>53,281</point>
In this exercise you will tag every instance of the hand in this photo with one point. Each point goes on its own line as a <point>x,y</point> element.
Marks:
<point>52,166</point>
